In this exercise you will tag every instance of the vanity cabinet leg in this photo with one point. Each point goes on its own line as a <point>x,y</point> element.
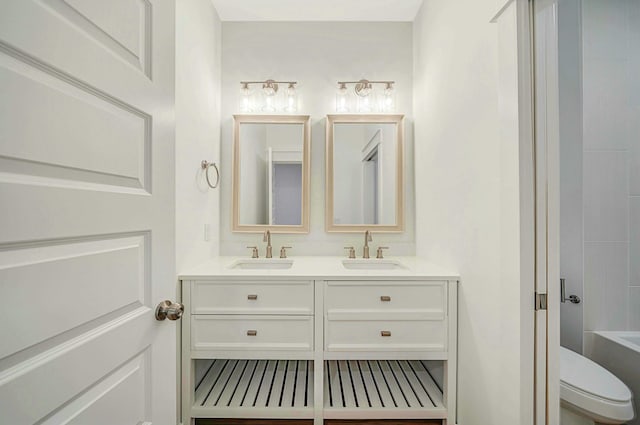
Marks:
<point>318,363</point>
<point>451,365</point>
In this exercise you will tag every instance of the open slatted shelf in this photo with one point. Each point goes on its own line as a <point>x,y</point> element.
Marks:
<point>256,389</point>
<point>381,389</point>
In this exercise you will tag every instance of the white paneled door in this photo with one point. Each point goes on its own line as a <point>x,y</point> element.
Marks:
<point>86,212</point>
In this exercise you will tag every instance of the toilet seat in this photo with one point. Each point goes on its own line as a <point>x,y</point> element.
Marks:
<point>590,389</point>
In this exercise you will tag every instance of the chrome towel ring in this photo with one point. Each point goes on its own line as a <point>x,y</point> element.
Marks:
<point>205,165</point>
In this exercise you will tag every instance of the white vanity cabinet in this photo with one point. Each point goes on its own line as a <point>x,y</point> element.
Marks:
<point>252,315</point>
<point>397,316</point>
<point>299,344</point>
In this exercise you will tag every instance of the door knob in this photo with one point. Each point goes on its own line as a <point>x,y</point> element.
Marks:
<point>168,310</point>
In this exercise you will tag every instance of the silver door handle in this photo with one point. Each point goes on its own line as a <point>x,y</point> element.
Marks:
<point>563,295</point>
<point>169,310</point>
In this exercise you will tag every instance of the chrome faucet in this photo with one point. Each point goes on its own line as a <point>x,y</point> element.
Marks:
<point>367,239</point>
<point>267,238</point>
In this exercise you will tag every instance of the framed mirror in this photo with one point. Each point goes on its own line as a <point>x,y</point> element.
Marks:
<point>365,173</point>
<point>271,170</point>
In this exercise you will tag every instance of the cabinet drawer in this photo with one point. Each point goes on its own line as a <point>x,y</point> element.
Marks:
<point>252,298</point>
<point>386,296</point>
<point>385,335</point>
<point>235,332</point>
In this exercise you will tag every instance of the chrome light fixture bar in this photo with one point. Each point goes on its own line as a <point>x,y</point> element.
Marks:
<point>364,87</point>
<point>269,86</point>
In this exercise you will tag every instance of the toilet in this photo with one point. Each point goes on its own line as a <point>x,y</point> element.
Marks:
<point>590,394</point>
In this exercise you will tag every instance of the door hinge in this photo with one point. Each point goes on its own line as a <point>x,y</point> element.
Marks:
<point>541,301</point>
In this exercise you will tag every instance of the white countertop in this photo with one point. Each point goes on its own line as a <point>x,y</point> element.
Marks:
<point>318,267</point>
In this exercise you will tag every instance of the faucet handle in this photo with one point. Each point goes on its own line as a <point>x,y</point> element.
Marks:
<point>283,251</point>
<point>379,253</point>
<point>254,251</point>
<point>352,251</point>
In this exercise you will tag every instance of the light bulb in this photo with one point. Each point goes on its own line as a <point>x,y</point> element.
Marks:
<point>269,87</point>
<point>366,89</point>
<point>363,88</point>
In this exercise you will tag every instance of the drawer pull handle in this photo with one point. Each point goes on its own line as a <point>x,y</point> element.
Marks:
<point>385,333</point>
<point>252,333</point>
<point>385,298</point>
<point>252,297</point>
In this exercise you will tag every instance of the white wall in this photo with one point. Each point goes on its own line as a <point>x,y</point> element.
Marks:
<point>611,169</point>
<point>468,197</point>
<point>317,55</point>
<point>198,58</point>
<point>347,205</point>
<point>253,175</point>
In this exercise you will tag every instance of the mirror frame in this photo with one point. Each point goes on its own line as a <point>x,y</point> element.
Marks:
<point>306,173</point>
<point>397,119</point>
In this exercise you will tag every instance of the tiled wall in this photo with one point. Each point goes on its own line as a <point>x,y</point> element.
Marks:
<point>611,162</point>
<point>571,224</point>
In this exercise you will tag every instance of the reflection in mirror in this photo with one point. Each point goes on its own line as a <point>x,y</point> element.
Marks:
<point>271,173</point>
<point>364,162</point>
<point>364,172</point>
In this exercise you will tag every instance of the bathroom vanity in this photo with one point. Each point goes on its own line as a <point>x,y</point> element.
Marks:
<point>319,338</point>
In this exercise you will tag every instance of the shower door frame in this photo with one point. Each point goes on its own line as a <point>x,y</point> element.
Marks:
<point>533,56</point>
<point>546,158</point>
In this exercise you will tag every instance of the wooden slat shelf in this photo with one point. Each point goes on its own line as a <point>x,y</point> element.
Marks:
<point>379,389</point>
<point>256,389</point>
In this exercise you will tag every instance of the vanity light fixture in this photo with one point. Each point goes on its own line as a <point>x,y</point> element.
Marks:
<point>366,96</point>
<point>267,100</point>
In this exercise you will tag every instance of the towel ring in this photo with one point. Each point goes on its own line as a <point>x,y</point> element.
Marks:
<point>205,165</point>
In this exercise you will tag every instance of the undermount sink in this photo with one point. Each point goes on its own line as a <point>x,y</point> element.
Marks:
<point>262,264</point>
<point>373,264</point>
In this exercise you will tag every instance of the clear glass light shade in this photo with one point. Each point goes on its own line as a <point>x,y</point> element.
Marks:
<point>365,103</point>
<point>246,100</point>
<point>269,102</point>
<point>291,99</point>
<point>388,99</point>
<point>342,99</point>
<point>364,89</point>
<point>269,88</point>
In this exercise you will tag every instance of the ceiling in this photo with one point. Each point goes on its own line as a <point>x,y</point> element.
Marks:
<point>318,10</point>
